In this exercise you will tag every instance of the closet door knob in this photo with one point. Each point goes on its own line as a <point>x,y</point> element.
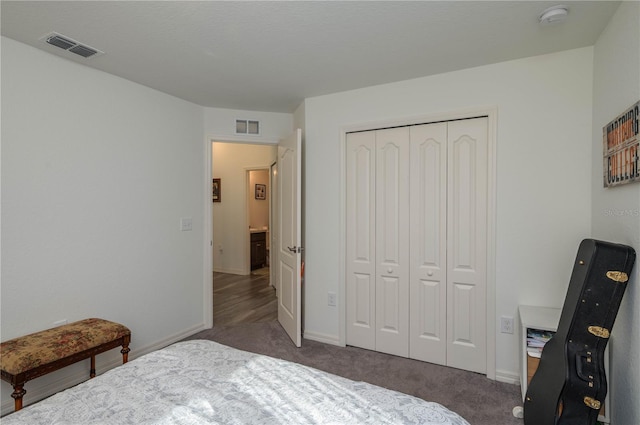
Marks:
<point>430,273</point>
<point>389,270</point>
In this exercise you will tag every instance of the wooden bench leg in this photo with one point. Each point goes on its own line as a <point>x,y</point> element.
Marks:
<point>92,371</point>
<point>125,349</point>
<point>18,392</point>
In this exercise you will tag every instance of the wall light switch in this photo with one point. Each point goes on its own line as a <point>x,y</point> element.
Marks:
<point>186,224</point>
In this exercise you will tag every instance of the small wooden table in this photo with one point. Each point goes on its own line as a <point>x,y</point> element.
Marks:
<point>36,354</point>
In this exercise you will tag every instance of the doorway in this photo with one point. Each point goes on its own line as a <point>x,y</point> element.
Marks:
<point>240,227</point>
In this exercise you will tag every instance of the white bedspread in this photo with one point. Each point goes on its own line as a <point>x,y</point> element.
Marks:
<point>203,382</point>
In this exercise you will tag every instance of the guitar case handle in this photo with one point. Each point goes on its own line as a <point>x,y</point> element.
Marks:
<point>585,366</point>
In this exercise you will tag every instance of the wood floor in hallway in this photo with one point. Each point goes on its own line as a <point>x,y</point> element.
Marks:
<point>243,299</point>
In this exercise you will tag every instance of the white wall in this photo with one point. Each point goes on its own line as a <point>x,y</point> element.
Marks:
<point>543,177</point>
<point>616,211</point>
<point>231,161</point>
<point>96,173</point>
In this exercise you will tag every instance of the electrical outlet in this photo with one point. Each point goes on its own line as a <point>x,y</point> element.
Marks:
<point>186,224</point>
<point>506,325</point>
<point>331,299</point>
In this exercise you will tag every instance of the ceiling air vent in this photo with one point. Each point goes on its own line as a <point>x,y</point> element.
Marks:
<point>83,51</point>
<point>70,45</point>
<point>60,42</point>
<point>247,127</point>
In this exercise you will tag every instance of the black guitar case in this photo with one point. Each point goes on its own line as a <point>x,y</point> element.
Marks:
<point>570,385</point>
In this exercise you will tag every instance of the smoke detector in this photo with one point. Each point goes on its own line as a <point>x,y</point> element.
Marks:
<point>553,15</point>
<point>70,45</point>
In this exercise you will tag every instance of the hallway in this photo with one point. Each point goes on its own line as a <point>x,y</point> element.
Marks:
<point>243,299</point>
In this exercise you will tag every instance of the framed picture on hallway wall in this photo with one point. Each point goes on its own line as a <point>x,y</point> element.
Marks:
<point>261,191</point>
<point>216,193</point>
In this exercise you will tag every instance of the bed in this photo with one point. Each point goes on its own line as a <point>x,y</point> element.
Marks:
<point>203,382</point>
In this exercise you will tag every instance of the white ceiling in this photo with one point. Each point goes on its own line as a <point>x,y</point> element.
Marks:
<point>270,55</point>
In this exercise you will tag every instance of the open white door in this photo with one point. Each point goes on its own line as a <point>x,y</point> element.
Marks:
<point>289,240</point>
<point>274,226</point>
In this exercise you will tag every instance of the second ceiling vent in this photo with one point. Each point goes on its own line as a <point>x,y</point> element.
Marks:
<point>70,45</point>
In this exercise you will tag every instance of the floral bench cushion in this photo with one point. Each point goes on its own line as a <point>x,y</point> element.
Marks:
<point>28,352</point>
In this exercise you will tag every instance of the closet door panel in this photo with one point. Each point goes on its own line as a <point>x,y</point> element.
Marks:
<point>392,241</point>
<point>463,299</point>
<point>390,313</point>
<point>428,241</point>
<point>466,249</point>
<point>360,249</point>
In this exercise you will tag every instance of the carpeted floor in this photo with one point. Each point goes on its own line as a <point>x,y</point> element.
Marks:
<point>479,400</point>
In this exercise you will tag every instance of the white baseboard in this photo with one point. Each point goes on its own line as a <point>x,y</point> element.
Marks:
<point>507,377</point>
<point>240,272</point>
<point>42,391</point>
<point>167,341</point>
<point>320,337</point>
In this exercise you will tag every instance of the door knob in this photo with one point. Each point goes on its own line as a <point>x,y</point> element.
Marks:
<point>389,270</point>
<point>430,273</point>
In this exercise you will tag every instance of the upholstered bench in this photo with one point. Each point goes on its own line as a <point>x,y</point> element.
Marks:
<point>34,355</point>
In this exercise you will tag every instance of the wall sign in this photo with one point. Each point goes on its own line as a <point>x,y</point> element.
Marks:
<point>621,147</point>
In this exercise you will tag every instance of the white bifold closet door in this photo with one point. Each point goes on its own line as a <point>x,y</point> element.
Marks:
<point>392,241</point>
<point>416,242</point>
<point>361,240</point>
<point>378,240</point>
<point>429,243</point>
